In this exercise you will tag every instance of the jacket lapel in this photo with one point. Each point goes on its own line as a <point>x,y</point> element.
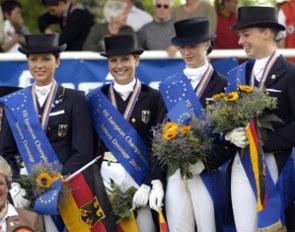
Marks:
<point>276,72</point>
<point>12,223</point>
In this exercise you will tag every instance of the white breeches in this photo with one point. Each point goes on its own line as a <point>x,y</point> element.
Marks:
<point>117,173</point>
<point>187,203</point>
<point>243,198</point>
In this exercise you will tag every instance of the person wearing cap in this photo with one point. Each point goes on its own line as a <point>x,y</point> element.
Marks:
<point>123,113</point>
<point>195,205</point>
<point>11,218</point>
<point>259,32</point>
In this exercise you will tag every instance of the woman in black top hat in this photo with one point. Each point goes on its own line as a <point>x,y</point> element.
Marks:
<point>117,109</point>
<point>195,205</point>
<point>259,32</point>
<point>57,109</point>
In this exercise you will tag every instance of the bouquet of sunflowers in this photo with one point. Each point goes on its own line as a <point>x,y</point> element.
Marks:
<point>237,109</point>
<point>40,181</point>
<point>179,146</point>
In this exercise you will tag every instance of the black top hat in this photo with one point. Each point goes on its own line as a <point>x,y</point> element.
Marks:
<point>42,43</point>
<point>257,16</point>
<point>120,45</point>
<point>191,31</point>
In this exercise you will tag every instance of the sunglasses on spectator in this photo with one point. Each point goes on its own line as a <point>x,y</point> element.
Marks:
<point>162,6</point>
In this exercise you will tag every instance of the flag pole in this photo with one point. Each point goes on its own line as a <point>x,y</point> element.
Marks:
<point>82,169</point>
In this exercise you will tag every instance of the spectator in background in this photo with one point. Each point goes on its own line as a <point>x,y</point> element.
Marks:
<point>197,8</point>
<point>74,20</point>
<point>136,18</point>
<point>115,14</point>
<point>14,29</point>
<point>226,17</point>
<point>286,17</point>
<point>14,219</point>
<point>1,27</point>
<point>157,34</point>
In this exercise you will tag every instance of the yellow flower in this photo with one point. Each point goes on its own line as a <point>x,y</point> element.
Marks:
<point>44,180</point>
<point>217,96</point>
<point>57,176</point>
<point>170,130</point>
<point>232,96</point>
<point>245,88</point>
<point>185,129</point>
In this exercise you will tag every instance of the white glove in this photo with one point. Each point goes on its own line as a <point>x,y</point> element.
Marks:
<point>196,168</point>
<point>17,194</point>
<point>141,196</point>
<point>157,195</point>
<point>238,137</point>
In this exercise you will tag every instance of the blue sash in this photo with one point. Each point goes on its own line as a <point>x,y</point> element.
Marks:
<point>237,76</point>
<point>271,213</point>
<point>119,136</point>
<point>31,140</point>
<point>177,88</point>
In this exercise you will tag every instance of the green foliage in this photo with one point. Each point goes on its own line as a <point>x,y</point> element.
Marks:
<point>121,201</point>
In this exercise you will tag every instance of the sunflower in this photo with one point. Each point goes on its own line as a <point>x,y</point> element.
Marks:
<point>232,96</point>
<point>185,129</point>
<point>245,88</point>
<point>217,96</point>
<point>170,133</point>
<point>44,180</point>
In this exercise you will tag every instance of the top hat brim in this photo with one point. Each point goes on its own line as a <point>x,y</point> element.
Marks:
<point>58,49</point>
<point>262,24</point>
<point>122,52</point>
<point>180,41</point>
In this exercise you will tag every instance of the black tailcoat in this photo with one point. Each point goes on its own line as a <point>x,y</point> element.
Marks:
<point>281,85</point>
<point>69,131</point>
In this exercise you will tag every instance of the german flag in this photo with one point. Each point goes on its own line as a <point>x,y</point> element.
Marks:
<point>128,225</point>
<point>162,221</point>
<point>257,162</point>
<point>87,207</point>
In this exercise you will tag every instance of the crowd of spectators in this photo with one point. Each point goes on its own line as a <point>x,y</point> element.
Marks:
<point>83,26</point>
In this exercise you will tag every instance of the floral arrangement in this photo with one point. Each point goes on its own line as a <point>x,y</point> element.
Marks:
<point>121,201</point>
<point>237,109</point>
<point>40,180</point>
<point>179,146</point>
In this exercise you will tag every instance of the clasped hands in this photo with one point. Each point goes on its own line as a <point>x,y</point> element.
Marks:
<point>145,194</point>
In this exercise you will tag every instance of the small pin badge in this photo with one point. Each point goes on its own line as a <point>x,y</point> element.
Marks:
<point>273,77</point>
<point>133,120</point>
<point>58,101</point>
<point>11,224</point>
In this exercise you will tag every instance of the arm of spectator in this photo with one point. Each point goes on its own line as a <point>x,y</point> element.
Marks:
<point>171,51</point>
<point>92,42</point>
<point>9,44</point>
<point>45,20</point>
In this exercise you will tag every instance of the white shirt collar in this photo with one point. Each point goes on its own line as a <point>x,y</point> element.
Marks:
<point>259,67</point>
<point>42,92</point>
<point>124,90</point>
<point>195,74</point>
